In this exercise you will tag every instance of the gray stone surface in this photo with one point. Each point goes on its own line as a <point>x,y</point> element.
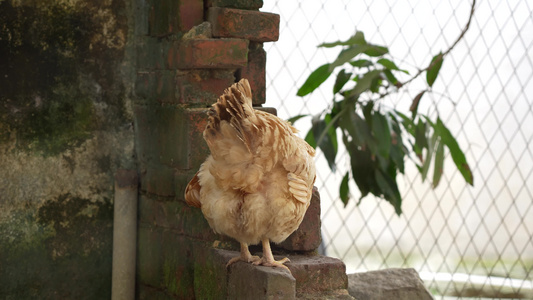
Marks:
<point>398,284</point>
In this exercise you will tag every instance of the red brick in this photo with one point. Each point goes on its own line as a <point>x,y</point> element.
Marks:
<point>208,53</point>
<point>244,4</point>
<point>203,86</point>
<point>255,73</point>
<point>307,237</point>
<point>168,17</point>
<point>245,24</point>
<point>191,13</point>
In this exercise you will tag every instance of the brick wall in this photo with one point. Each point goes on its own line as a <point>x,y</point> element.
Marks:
<point>188,52</point>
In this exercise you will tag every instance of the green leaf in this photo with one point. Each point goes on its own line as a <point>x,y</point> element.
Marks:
<point>344,189</point>
<point>296,118</point>
<point>381,129</point>
<point>429,156</point>
<point>375,50</point>
<point>361,63</point>
<point>390,65</point>
<point>439,164</point>
<point>389,188</point>
<point>310,138</point>
<point>414,105</point>
<point>434,68</point>
<point>341,80</point>
<point>327,144</point>
<point>347,54</point>
<point>357,39</point>
<point>365,82</point>
<point>314,80</point>
<point>457,154</point>
<point>390,77</point>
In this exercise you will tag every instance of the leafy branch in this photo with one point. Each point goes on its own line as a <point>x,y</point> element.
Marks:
<point>377,139</point>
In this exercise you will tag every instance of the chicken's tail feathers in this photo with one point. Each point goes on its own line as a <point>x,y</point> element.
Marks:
<point>192,192</point>
<point>235,107</point>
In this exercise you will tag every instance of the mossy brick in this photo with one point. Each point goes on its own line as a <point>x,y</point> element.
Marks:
<point>141,10</point>
<point>151,53</point>
<point>316,274</point>
<point>159,86</point>
<point>177,216</point>
<point>255,72</point>
<point>247,281</point>
<point>244,24</point>
<point>177,265</point>
<point>197,121</point>
<point>307,237</point>
<point>158,180</point>
<point>208,54</point>
<point>244,4</point>
<point>149,271</point>
<point>203,86</point>
<point>149,293</point>
<point>168,17</point>
<point>210,272</point>
<point>161,135</point>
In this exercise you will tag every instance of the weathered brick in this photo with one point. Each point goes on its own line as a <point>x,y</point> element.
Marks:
<point>208,53</point>
<point>244,24</point>
<point>149,256</point>
<point>315,274</point>
<point>210,272</point>
<point>197,120</point>
<point>157,86</point>
<point>162,19</point>
<point>244,4</point>
<point>158,180</point>
<point>191,13</point>
<point>307,237</point>
<point>149,293</point>
<point>151,53</point>
<point>255,73</point>
<point>170,16</point>
<point>161,136</point>
<point>247,281</point>
<point>177,265</point>
<point>202,86</point>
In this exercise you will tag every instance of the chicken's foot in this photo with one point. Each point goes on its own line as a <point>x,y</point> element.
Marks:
<point>245,256</point>
<point>268,258</point>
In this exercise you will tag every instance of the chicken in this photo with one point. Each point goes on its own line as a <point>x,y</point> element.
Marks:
<point>256,184</point>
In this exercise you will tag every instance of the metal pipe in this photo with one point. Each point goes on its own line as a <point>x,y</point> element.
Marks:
<point>124,235</point>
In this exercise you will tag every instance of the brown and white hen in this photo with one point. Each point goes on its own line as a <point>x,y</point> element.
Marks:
<point>256,184</point>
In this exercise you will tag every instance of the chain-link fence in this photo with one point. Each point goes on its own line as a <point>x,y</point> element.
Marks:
<point>464,241</point>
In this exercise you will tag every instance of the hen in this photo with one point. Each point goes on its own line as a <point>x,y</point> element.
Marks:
<point>256,185</point>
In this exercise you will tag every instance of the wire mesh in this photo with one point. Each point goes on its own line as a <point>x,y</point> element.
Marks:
<point>464,241</point>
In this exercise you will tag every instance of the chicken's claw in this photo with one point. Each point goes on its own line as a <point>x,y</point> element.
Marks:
<point>248,259</point>
<point>273,263</point>
<point>245,256</point>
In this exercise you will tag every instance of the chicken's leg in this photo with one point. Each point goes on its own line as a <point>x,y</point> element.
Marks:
<point>245,256</point>
<point>268,258</point>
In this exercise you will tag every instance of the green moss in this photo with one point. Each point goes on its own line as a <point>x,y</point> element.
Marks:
<point>52,73</point>
<point>58,251</point>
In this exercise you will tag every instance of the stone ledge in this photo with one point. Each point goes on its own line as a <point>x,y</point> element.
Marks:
<point>399,284</point>
<point>313,277</point>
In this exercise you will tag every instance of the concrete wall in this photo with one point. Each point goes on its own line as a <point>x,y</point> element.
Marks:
<point>66,125</point>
